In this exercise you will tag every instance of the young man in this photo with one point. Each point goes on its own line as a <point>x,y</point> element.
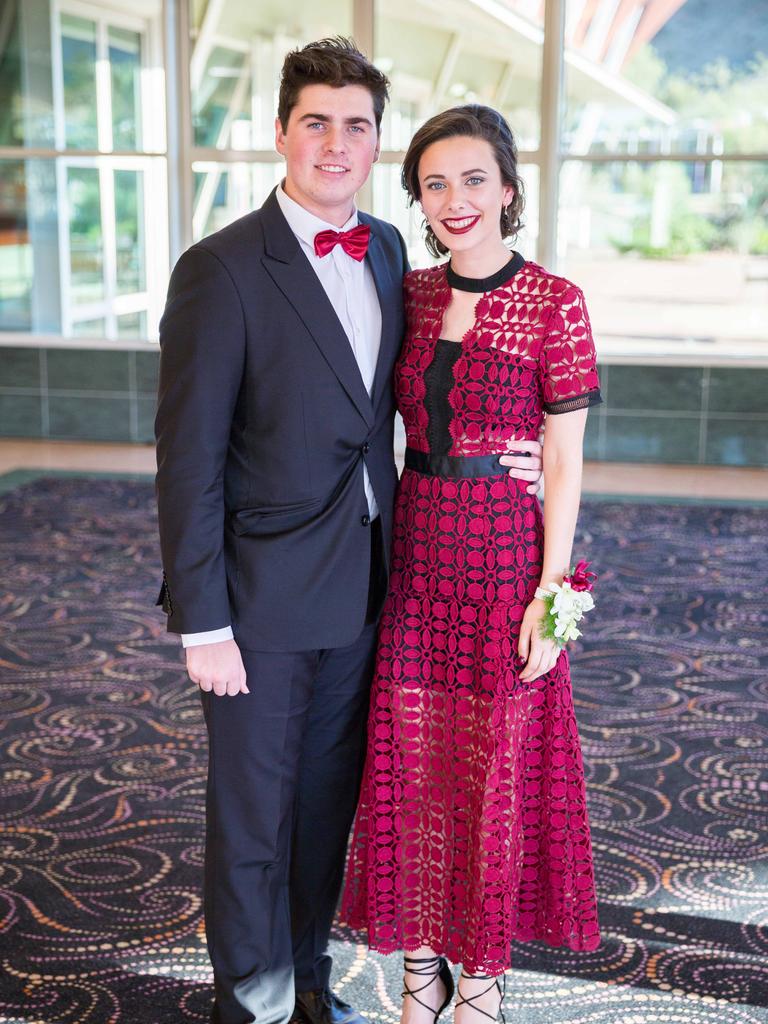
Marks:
<point>275,488</point>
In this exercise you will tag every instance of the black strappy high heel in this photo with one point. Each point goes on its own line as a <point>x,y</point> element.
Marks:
<point>432,967</point>
<point>502,988</point>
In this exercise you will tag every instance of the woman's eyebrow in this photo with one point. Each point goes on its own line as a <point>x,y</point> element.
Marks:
<point>475,170</point>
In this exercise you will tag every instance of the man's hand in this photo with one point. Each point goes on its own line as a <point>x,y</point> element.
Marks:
<point>218,667</point>
<point>525,467</point>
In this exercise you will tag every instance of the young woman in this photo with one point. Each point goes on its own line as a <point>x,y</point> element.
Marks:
<point>472,827</point>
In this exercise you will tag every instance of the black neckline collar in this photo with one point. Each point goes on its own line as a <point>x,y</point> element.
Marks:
<point>485,284</point>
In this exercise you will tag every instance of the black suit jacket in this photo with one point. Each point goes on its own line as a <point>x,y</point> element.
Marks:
<point>263,426</point>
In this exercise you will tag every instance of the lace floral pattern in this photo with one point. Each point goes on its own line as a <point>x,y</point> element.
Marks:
<point>472,828</point>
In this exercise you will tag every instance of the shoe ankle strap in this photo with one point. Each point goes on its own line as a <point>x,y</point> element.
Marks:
<point>427,964</point>
<point>500,985</point>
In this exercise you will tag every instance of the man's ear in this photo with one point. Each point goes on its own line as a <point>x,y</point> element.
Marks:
<point>279,136</point>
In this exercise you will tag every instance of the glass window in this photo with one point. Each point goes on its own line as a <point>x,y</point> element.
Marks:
<point>86,244</point>
<point>224,192</point>
<point>30,279</point>
<point>470,55</point>
<point>26,111</point>
<point>129,232</point>
<point>15,251</point>
<point>78,62</point>
<point>669,253</point>
<point>78,242</point>
<point>132,325</point>
<point>90,328</point>
<point>692,78</point>
<point>238,48</point>
<point>83,238</point>
<point>125,71</point>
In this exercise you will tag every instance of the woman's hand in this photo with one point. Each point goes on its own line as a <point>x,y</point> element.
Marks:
<point>539,655</point>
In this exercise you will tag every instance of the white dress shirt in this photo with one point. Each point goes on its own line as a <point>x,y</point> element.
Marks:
<point>350,287</point>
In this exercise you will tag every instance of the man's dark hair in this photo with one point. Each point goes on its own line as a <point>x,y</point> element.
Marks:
<point>336,62</point>
<point>473,121</point>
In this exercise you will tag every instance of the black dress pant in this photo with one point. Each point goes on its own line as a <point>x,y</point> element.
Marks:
<point>285,763</point>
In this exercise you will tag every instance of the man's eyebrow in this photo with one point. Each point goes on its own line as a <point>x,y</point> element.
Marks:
<point>464,174</point>
<point>347,120</point>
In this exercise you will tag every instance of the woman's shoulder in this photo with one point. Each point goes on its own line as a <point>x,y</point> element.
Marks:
<point>423,281</point>
<point>552,286</point>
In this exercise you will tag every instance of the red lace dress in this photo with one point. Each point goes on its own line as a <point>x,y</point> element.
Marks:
<point>472,826</point>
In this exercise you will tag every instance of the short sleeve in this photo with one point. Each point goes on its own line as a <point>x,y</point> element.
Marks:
<point>568,358</point>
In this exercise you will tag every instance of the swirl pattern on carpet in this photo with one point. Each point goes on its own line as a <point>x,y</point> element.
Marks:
<point>103,755</point>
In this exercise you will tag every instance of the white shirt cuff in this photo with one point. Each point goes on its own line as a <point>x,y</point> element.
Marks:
<point>211,636</point>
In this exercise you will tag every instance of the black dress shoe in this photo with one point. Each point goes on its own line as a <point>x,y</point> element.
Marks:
<point>321,1006</point>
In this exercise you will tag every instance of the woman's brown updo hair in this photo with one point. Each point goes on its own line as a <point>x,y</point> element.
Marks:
<point>472,121</point>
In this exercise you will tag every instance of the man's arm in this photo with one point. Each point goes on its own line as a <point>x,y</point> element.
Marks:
<point>202,340</point>
<point>210,636</point>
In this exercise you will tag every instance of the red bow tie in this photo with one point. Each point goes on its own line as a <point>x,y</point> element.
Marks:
<point>354,242</point>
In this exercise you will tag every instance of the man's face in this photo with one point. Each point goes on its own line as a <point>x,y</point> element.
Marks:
<point>330,144</point>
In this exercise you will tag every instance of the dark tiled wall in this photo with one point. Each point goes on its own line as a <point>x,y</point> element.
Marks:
<point>680,414</point>
<point>77,394</point>
<point>714,415</point>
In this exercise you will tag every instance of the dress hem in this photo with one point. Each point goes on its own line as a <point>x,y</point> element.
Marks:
<point>583,945</point>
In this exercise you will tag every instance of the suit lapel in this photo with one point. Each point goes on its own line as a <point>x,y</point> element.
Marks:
<point>385,288</point>
<point>289,268</point>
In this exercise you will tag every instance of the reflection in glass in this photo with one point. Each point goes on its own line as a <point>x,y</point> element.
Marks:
<point>129,219</point>
<point>78,55</point>
<point>125,71</point>
<point>224,192</point>
<point>26,111</point>
<point>132,325</point>
<point>238,48</point>
<point>690,79</point>
<point>221,112</point>
<point>669,252</point>
<point>29,250</point>
<point>89,329</point>
<point>85,236</point>
<point>15,250</point>
<point>471,56</point>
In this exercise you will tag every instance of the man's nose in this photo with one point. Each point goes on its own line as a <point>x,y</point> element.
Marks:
<point>334,141</point>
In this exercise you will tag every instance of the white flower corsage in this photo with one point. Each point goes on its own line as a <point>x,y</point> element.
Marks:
<point>566,603</point>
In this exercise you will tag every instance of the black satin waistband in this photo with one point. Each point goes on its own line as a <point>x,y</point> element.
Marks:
<point>459,466</point>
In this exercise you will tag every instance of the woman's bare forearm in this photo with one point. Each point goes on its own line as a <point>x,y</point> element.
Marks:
<point>563,462</point>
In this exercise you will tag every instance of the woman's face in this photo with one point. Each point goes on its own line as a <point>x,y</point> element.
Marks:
<point>462,193</point>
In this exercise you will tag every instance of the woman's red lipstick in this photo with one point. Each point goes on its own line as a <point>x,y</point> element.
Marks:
<point>460,231</point>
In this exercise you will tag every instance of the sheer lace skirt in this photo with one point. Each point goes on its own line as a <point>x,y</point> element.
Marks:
<point>472,828</point>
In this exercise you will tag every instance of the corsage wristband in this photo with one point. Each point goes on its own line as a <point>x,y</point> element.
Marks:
<point>566,603</point>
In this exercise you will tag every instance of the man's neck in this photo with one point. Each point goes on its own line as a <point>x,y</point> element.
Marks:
<point>336,215</point>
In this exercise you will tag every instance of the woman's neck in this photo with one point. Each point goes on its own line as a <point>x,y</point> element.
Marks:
<point>480,264</point>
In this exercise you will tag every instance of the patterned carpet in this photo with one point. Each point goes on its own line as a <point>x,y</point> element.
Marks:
<point>102,761</point>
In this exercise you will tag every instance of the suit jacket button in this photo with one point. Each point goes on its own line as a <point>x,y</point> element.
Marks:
<point>366,448</point>
<point>366,520</point>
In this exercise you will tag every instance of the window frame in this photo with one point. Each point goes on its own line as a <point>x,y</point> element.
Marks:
<point>168,54</point>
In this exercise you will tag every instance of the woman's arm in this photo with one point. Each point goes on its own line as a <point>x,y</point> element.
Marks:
<point>563,459</point>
